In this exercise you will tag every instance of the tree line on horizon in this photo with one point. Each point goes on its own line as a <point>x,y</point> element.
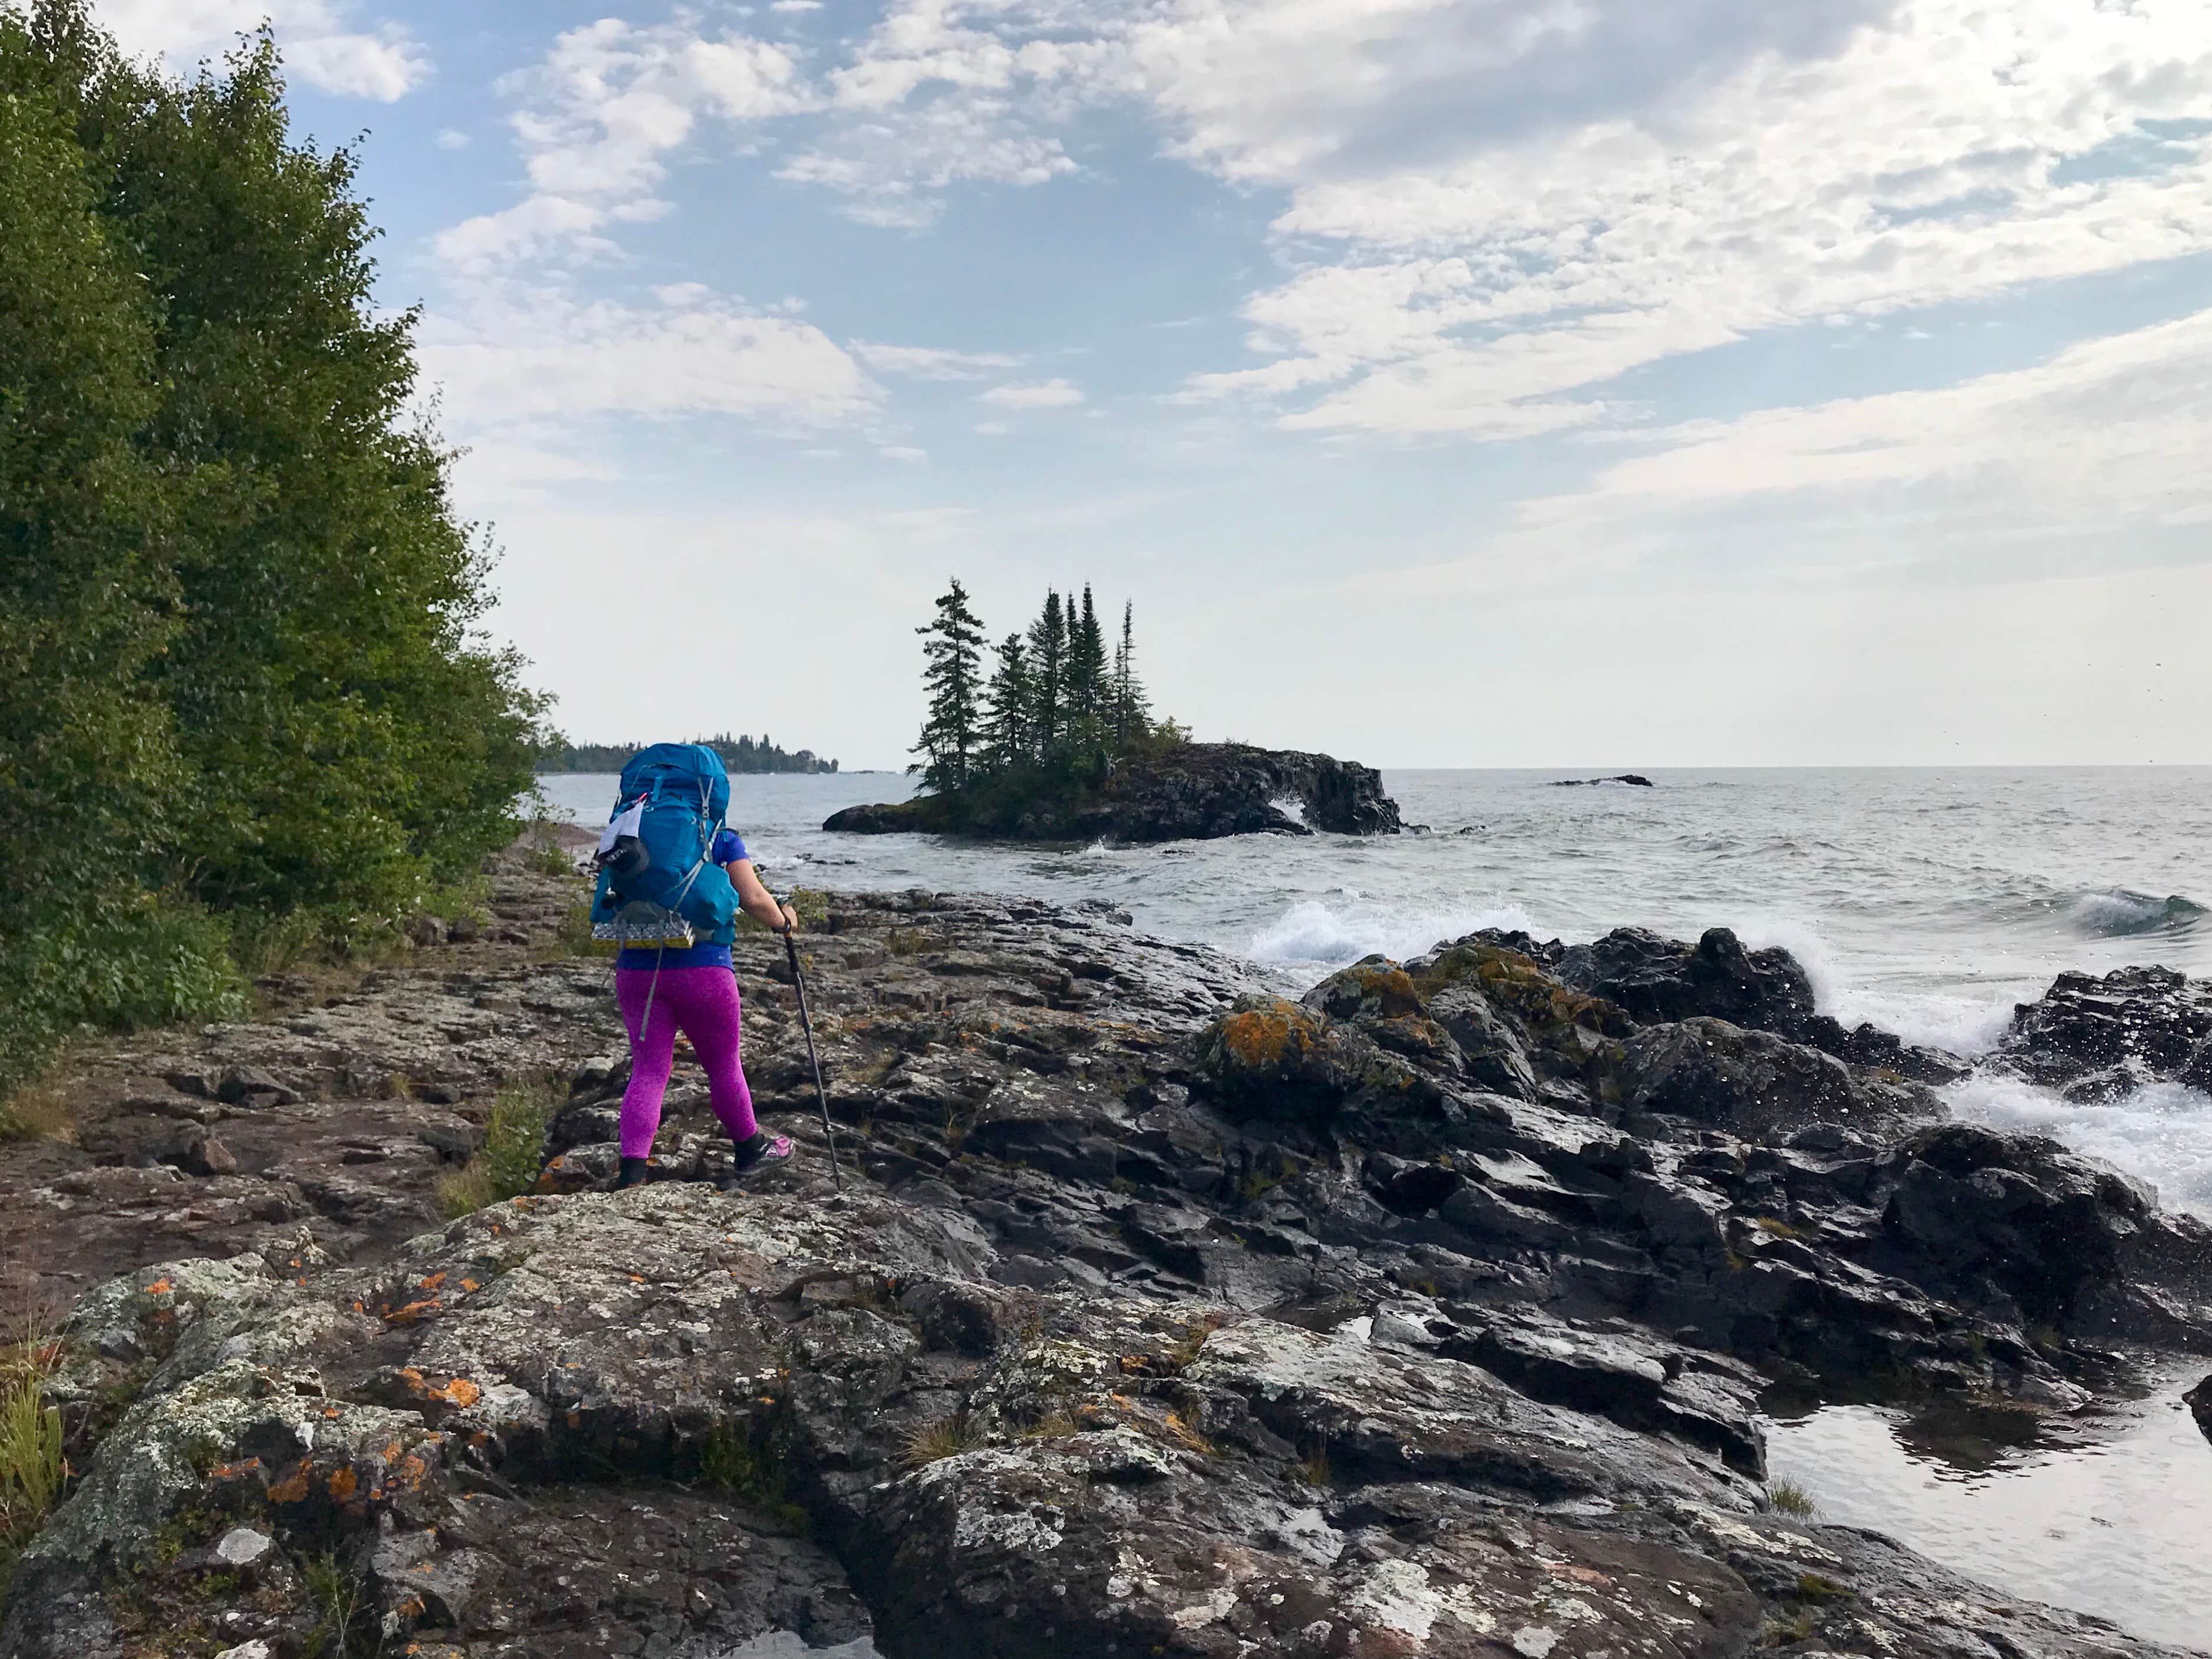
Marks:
<point>243,713</point>
<point>1058,706</point>
<point>739,754</point>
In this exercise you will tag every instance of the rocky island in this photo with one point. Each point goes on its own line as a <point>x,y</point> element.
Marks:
<point>1193,791</point>
<point>1429,1314</point>
<point>1060,744</point>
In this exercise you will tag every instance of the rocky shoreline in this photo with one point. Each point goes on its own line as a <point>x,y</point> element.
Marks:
<point>1431,1313</point>
<point>1191,792</point>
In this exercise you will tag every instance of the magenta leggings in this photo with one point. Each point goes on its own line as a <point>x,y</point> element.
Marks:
<point>702,1002</point>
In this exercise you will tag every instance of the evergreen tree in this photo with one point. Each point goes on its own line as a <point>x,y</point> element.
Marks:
<point>950,736</point>
<point>1131,714</point>
<point>1087,695</point>
<point>1048,656</point>
<point>1010,701</point>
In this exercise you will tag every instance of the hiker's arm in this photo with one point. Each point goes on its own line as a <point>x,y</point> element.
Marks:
<point>757,902</point>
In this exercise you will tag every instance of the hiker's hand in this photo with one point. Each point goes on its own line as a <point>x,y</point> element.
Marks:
<point>790,918</point>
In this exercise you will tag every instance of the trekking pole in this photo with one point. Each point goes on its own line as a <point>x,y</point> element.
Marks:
<point>799,983</point>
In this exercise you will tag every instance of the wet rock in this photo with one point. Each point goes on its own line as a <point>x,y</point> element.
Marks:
<point>1156,1313</point>
<point>1758,1086</point>
<point>2101,1038</point>
<point>2199,1400</point>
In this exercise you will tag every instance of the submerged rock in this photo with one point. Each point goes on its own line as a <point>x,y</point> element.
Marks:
<point>1195,791</point>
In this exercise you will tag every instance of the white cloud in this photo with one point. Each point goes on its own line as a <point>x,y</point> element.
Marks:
<point>1921,159</point>
<point>993,428</point>
<point>534,381</point>
<point>453,138</point>
<point>796,5</point>
<point>1036,394</point>
<point>598,118</point>
<point>930,363</point>
<point>2091,459</point>
<point>320,47</point>
<point>902,452</point>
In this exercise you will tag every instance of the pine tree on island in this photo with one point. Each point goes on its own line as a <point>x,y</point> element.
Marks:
<point>951,738</point>
<point>1056,715</point>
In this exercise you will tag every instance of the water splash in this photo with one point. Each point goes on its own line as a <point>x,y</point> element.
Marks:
<point>1317,934</point>
<point>2161,1135</point>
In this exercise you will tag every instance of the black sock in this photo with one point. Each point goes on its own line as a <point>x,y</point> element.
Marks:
<point>635,1172</point>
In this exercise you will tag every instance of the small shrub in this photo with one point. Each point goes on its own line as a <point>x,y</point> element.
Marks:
<point>340,1607</point>
<point>907,941</point>
<point>513,1150</point>
<point>1788,1497</point>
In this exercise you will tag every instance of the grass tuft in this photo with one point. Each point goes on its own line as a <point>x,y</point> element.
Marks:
<point>38,1112</point>
<point>32,1471</point>
<point>513,1150</point>
<point>1788,1497</point>
<point>1313,1469</point>
<point>933,1442</point>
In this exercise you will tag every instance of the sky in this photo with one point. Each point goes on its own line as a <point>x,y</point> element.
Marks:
<point>1444,382</point>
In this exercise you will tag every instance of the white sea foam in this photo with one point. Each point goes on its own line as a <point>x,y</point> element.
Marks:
<point>2161,1135</point>
<point>1942,1018</point>
<point>1323,934</point>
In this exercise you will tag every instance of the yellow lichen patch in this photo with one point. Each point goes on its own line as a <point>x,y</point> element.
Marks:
<point>160,1287</point>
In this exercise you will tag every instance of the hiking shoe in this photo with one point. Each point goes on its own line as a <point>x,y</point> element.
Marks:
<point>747,1155</point>
<point>635,1172</point>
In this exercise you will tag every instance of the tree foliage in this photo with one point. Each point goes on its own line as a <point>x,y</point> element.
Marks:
<point>1058,710</point>
<point>951,734</point>
<point>237,675</point>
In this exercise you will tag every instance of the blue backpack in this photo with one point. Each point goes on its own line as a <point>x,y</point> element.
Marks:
<point>656,884</point>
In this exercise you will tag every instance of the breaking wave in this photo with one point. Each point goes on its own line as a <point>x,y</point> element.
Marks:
<point>2117,912</point>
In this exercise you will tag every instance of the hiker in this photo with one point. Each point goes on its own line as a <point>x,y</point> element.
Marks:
<point>672,878</point>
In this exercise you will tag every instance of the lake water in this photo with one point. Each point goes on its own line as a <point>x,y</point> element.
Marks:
<point>1928,901</point>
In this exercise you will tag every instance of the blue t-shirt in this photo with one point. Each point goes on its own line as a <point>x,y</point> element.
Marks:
<point>729,847</point>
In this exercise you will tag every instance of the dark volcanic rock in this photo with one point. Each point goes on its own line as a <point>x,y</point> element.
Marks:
<point>1634,780</point>
<point>2098,1039</point>
<point>1197,791</point>
<point>1426,1316</point>
<point>1658,978</point>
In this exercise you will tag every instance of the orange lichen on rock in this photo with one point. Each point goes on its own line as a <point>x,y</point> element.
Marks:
<point>291,1489</point>
<point>344,1482</point>
<point>160,1287</point>
<point>1268,1035</point>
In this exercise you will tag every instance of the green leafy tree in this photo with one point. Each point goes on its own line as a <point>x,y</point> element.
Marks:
<point>950,736</point>
<point>237,664</point>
